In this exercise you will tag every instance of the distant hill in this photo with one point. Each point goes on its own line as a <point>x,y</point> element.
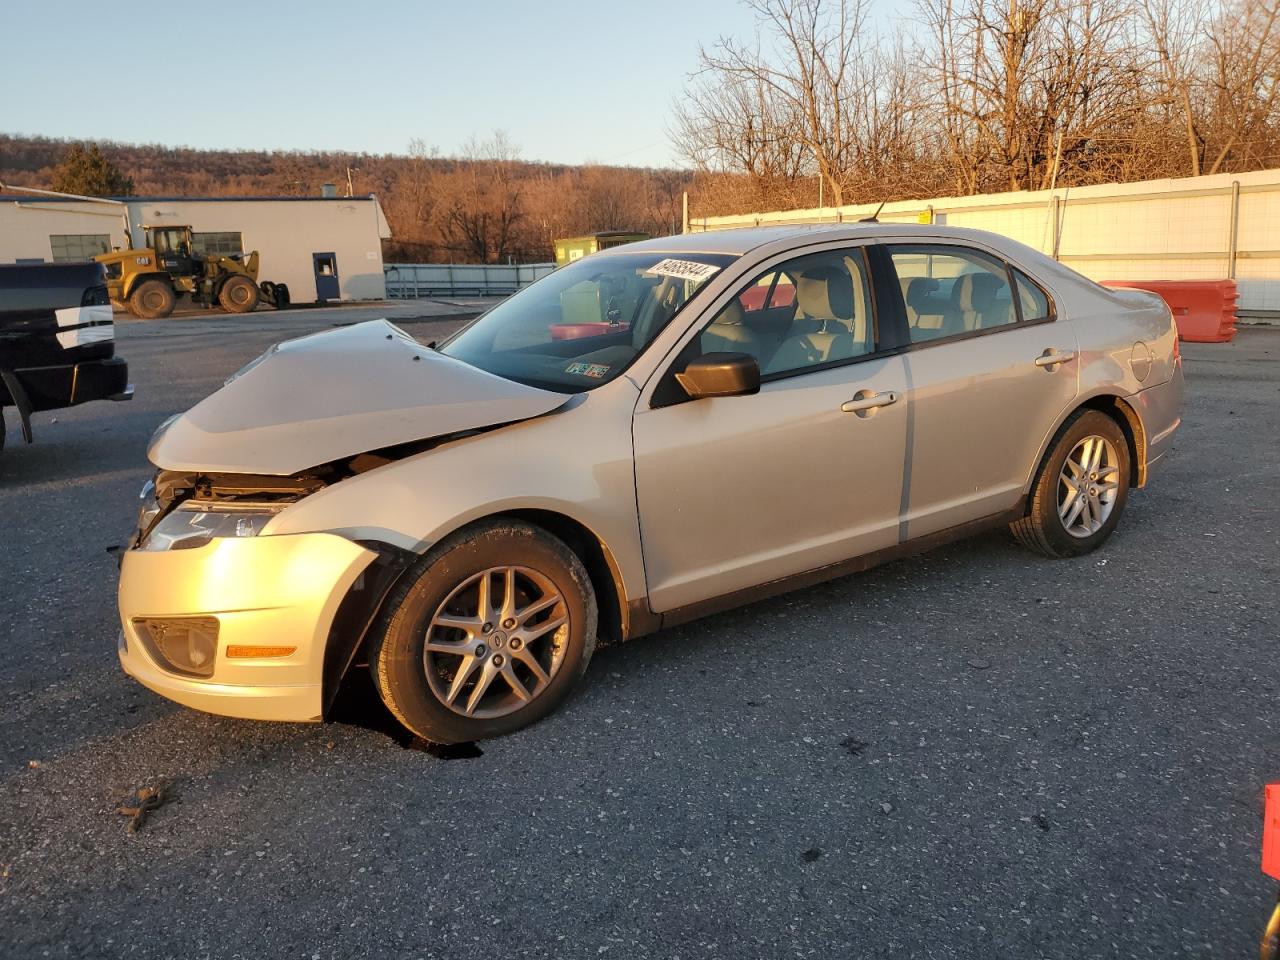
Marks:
<point>489,207</point>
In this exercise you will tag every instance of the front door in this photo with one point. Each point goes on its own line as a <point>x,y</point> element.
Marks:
<point>735,492</point>
<point>326,270</point>
<point>991,371</point>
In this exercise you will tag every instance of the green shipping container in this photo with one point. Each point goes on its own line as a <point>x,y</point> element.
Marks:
<point>570,249</point>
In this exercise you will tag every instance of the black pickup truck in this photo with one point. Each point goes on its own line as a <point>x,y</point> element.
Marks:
<point>57,346</point>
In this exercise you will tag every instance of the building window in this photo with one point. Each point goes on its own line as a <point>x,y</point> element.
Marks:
<point>78,246</point>
<point>226,243</point>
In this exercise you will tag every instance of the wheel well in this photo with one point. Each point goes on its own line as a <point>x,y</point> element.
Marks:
<point>1130,425</point>
<point>140,278</point>
<point>605,578</point>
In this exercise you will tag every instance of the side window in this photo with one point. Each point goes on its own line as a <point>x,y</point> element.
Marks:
<point>811,310</point>
<point>772,291</point>
<point>1033,301</point>
<point>756,296</point>
<point>951,290</point>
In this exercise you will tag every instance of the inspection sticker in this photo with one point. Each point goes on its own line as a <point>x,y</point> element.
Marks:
<point>683,269</point>
<point>593,370</point>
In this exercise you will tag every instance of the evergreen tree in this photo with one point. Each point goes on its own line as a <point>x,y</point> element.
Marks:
<point>85,171</point>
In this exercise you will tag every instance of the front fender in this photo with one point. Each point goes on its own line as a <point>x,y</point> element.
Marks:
<point>576,462</point>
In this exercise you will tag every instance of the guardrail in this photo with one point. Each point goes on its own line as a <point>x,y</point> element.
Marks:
<point>414,281</point>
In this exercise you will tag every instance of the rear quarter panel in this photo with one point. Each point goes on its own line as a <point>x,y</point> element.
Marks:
<point>1116,330</point>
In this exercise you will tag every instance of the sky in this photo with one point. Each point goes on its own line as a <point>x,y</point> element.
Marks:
<point>568,81</point>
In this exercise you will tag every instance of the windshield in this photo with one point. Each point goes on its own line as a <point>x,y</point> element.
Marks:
<point>583,325</point>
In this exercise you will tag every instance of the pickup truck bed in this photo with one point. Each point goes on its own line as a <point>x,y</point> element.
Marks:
<point>57,340</point>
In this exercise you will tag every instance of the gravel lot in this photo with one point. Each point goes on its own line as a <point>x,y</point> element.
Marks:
<point>977,753</point>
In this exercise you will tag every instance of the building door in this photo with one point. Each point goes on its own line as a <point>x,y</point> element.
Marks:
<point>326,267</point>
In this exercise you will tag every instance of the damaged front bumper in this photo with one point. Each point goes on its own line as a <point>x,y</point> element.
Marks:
<point>264,606</point>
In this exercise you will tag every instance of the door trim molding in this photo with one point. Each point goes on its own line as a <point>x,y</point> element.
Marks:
<point>773,588</point>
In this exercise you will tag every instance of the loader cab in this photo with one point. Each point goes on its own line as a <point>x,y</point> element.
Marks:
<point>173,250</point>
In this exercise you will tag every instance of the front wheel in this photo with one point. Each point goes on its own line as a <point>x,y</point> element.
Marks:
<point>1081,489</point>
<point>239,295</point>
<point>152,300</point>
<point>491,635</point>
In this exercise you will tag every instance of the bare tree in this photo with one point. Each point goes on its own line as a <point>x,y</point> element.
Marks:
<point>1176,29</point>
<point>1245,84</point>
<point>1024,85</point>
<point>741,125</point>
<point>484,213</point>
<point>804,84</point>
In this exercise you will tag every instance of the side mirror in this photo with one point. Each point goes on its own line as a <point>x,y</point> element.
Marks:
<point>721,375</point>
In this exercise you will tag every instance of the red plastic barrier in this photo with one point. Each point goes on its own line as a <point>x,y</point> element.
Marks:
<point>1271,832</point>
<point>576,331</point>
<point>784,294</point>
<point>1204,310</point>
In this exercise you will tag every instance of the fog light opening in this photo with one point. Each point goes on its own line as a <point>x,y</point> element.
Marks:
<point>181,644</point>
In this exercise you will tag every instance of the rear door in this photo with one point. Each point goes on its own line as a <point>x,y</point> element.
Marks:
<point>990,370</point>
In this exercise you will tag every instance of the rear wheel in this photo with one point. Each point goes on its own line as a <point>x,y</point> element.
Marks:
<point>238,295</point>
<point>491,635</point>
<point>152,300</point>
<point>1081,489</point>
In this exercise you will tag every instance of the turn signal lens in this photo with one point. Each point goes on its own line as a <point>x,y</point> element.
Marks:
<point>181,644</point>
<point>240,651</point>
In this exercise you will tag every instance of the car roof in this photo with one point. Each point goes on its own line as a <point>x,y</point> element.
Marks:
<point>742,240</point>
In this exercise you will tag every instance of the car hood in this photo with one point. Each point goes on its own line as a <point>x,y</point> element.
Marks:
<point>338,394</point>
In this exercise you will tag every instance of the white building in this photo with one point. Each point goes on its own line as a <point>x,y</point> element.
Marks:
<point>324,248</point>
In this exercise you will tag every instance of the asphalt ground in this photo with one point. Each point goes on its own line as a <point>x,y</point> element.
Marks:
<point>975,753</point>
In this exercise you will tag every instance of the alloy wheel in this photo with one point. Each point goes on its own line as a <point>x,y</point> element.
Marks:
<point>496,642</point>
<point>1088,486</point>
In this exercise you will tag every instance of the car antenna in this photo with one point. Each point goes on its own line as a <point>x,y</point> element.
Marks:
<point>875,217</point>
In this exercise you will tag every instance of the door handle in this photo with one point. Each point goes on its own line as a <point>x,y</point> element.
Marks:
<point>1051,358</point>
<point>868,401</point>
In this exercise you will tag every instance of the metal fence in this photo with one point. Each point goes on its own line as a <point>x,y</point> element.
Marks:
<point>413,281</point>
<point>1221,227</point>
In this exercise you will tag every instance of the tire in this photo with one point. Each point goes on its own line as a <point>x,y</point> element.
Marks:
<point>152,300</point>
<point>1060,524</point>
<point>416,678</point>
<point>239,295</point>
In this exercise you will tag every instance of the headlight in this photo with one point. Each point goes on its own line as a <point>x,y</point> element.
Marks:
<point>195,524</point>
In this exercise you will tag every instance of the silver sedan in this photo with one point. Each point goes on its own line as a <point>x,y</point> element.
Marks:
<point>649,434</point>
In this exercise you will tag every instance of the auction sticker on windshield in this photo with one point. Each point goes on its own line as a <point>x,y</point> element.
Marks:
<point>594,370</point>
<point>683,269</point>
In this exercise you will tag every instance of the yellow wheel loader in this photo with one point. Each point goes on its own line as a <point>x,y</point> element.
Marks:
<point>148,282</point>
